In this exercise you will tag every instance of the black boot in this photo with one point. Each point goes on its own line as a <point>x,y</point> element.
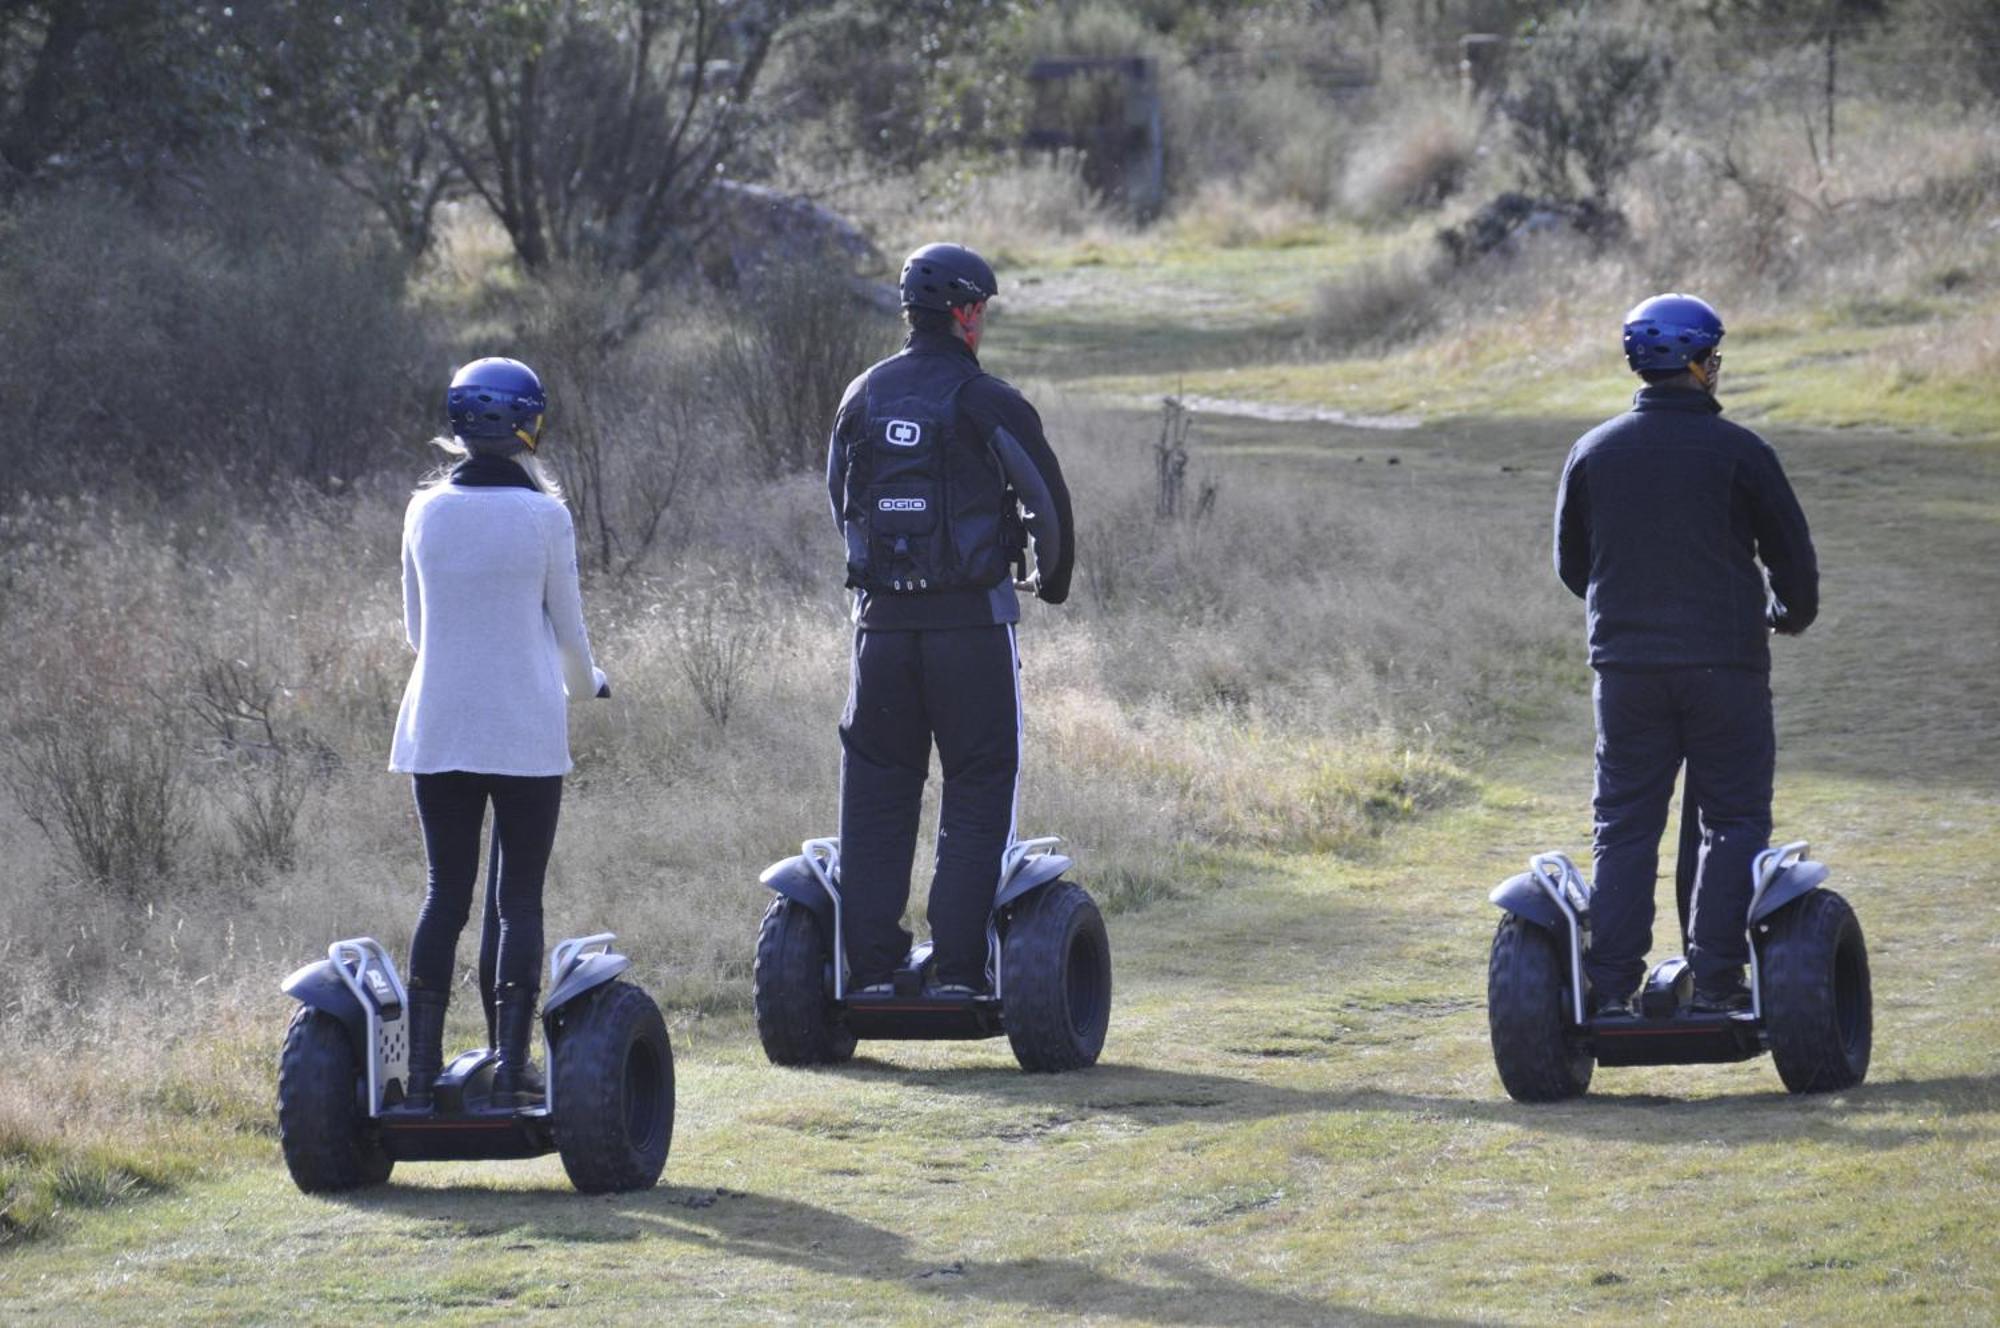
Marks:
<point>427,1009</point>
<point>515,1082</point>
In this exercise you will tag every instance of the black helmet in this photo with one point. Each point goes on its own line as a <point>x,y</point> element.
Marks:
<point>946,276</point>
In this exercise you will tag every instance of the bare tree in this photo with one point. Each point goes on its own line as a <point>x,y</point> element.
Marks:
<point>595,132</point>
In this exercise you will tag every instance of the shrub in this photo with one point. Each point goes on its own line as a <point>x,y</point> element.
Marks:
<point>632,415</point>
<point>1013,203</point>
<point>109,791</point>
<point>719,637</point>
<point>247,324</point>
<point>268,766</point>
<point>800,331</point>
<point>1584,99</point>
<point>1410,162</point>
<point>1377,304</point>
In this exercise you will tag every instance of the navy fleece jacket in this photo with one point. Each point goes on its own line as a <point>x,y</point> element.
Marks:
<point>1661,520</point>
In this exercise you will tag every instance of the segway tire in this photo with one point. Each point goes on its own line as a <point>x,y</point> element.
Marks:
<point>1056,980</point>
<point>1526,986</point>
<point>1818,1007</point>
<point>614,1090</point>
<point>322,1125</point>
<point>791,993</point>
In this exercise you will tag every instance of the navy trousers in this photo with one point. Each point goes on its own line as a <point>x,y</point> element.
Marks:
<point>957,686</point>
<point>1717,721</point>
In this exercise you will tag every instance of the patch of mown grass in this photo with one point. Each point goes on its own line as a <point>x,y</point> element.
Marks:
<point>1240,327</point>
<point>1865,376</point>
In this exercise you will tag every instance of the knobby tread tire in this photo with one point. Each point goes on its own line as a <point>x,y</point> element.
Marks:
<point>1813,962</point>
<point>1054,1023</point>
<point>1525,987</point>
<point>795,1018</point>
<point>322,1128</point>
<point>595,1135</point>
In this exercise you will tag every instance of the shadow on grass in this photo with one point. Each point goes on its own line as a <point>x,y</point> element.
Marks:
<point>1164,1097</point>
<point>823,1242</point>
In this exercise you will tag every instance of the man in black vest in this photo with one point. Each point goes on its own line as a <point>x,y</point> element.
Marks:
<point>933,467</point>
<point>1662,518</point>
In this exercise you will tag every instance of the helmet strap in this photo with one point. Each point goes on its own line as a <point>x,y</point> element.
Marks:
<point>530,439</point>
<point>1702,375</point>
<point>962,314</point>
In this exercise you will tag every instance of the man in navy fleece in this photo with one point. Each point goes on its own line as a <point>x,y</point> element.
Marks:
<point>1662,519</point>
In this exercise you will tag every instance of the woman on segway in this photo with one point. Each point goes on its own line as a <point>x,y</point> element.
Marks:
<point>492,608</point>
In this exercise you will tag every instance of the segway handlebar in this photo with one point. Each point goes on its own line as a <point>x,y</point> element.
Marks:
<point>1765,869</point>
<point>363,963</point>
<point>568,953</point>
<point>822,858</point>
<point>1563,884</point>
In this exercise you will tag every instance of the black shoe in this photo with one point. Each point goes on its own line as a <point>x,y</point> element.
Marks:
<point>515,1082</point>
<point>1603,1005</point>
<point>1726,999</point>
<point>427,1009</point>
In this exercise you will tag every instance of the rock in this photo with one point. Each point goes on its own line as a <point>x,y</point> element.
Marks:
<point>1499,226</point>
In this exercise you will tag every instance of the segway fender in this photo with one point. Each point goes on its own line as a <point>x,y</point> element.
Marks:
<point>319,986</point>
<point>585,975</point>
<point>796,881</point>
<point>1524,898</point>
<point>1791,885</point>
<point>1033,873</point>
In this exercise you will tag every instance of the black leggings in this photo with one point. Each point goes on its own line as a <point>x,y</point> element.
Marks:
<point>452,807</point>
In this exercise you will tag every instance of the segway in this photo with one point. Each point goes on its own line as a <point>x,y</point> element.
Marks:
<point>1048,969</point>
<point>342,1121</point>
<point>1810,1005</point>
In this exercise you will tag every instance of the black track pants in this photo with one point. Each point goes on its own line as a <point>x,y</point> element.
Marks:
<point>452,807</point>
<point>1719,722</point>
<point>957,686</point>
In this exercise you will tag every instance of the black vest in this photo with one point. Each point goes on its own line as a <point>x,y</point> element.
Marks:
<point>923,503</point>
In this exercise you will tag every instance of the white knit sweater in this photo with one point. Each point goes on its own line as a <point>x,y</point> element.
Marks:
<point>491,605</point>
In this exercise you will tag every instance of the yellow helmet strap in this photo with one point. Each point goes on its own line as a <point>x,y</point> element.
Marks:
<point>530,439</point>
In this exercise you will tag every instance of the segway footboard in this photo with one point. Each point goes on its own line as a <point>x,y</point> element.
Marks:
<point>1685,1038</point>
<point>911,1014</point>
<point>925,1019</point>
<point>463,1128</point>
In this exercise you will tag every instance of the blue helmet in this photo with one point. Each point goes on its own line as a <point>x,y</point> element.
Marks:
<point>946,276</point>
<point>497,398</point>
<point>1664,333</point>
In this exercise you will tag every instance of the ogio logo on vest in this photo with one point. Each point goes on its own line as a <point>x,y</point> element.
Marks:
<point>904,433</point>
<point>903,505</point>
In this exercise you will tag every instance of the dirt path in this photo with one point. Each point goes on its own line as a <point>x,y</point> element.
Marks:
<point>1297,1121</point>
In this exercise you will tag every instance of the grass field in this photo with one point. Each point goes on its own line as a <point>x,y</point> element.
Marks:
<point>1296,1120</point>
